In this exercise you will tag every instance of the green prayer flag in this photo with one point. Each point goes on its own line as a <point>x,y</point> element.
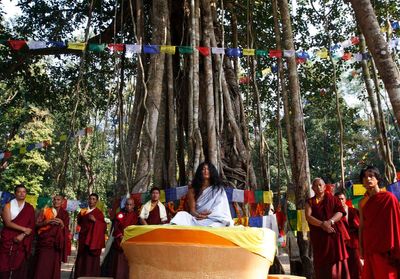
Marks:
<point>261,52</point>
<point>292,217</point>
<point>43,201</point>
<point>97,47</point>
<point>145,197</point>
<point>3,42</point>
<point>259,195</point>
<point>15,152</point>
<point>356,200</point>
<point>185,49</point>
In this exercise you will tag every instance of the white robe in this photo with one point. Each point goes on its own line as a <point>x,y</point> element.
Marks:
<point>210,200</point>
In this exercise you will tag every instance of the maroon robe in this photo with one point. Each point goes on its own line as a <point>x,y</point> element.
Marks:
<point>120,268</point>
<point>352,223</point>
<point>51,248</point>
<point>381,236</point>
<point>330,255</point>
<point>14,256</point>
<point>91,241</point>
<point>154,217</point>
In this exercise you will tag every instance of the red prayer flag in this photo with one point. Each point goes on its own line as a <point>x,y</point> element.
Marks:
<point>249,196</point>
<point>205,51</point>
<point>46,143</point>
<point>244,80</point>
<point>346,56</point>
<point>116,47</point>
<point>7,154</point>
<point>137,198</point>
<point>275,53</point>
<point>88,130</point>
<point>301,60</point>
<point>355,40</point>
<point>17,44</point>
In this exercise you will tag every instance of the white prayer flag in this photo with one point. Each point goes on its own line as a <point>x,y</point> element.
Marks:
<point>36,44</point>
<point>217,50</point>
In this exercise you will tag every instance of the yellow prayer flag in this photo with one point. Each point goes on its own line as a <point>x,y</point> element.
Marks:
<point>267,197</point>
<point>384,29</point>
<point>32,200</point>
<point>302,224</point>
<point>162,196</point>
<point>358,190</point>
<point>249,51</point>
<point>266,71</point>
<point>22,150</point>
<point>100,205</point>
<point>168,49</point>
<point>63,137</point>
<point>322,53</point>
<point>77,46</point>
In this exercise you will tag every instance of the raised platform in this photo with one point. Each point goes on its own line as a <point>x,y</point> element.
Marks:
<point>198,252</point>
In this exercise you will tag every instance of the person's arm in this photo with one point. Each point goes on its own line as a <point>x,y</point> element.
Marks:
<point>143,221</point>
<point>325,225</point>
<point>6,216</point>
<point>192,206</point>
<point>360,230</point>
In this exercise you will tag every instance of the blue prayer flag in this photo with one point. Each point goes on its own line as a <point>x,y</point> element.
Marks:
<point>151,49</point>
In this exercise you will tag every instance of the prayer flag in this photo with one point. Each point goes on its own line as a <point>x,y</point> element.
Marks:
<point>346,43</point>
<point>395,25</point>
<point>170,194</point>
<point>30,147</point>
<point>261,52</point>
<point>238,195</point>
<point>244,80</point>
<point>132,49</point>
<point>233,52</point>
<point>274,53</point>
<point>301,60</point>
<point>17,44</point>
<point>266,71</point>
<point>36,44</point>
<point>358,190</point>
<point>42,202</point>
<point>185,49</point>
<point>229,193</point>
<point>346,56</point>
<point>72,205</point>
<point>303,55</point>
<point>15,151</point>
<point>80,133</point>
<point>249,51</point>
<point>270,222</point>
<point>355,40</point>
<point>358,57</point>
<point>289,53</point>
<point>1,155</point>
<point>6,197</point>
<point>181,191</point>
<point>394,189</point>
<point>366,56</point>
<point>145,197</point>
<point>32,199</point>
<point>151,49</point>
<point>88,130</point>
<point>249,196</point>
<point>322,53</point>
<point>63,137</point>
<point>168,49</point>
<point>268,196</point>
<point>55,44</point>
<point>259,196</point>
<point>274,68</point>
<point>256,222</point>
<point>46,143</point>
<point>217,50</point>
<point>398,176</point>
<point>162,196</point>
<point>205,51</point>
<point>3,42</point>
<point>302,224</point>
<point>116,47</point>
<point>83,204</point>
<point>97,47</point>
<point>22,150</point>
<point>76,46</point>
<point>7,154</point>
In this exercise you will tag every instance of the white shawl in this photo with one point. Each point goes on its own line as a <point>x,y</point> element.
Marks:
<point>144,214</point>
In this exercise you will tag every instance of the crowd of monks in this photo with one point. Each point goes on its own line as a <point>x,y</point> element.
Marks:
<point>346,243</point>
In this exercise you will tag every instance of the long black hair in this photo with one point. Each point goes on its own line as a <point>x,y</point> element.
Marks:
<point>198,180</point>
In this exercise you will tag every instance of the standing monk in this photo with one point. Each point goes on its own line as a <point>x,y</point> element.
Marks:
<point>328,234</point>
<point>153,212</point>
<point>379,229</point>
<point>91,239</point>
<point>16,236</point>
<point>52,242</point>
<point>352,224</point>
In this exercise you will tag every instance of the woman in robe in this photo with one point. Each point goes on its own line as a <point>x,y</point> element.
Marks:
<point>207,201</point>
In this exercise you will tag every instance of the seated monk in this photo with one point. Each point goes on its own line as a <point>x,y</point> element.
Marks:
<point>16,237</point>
<point>153,212</point>
<point>207,200</point>
<point>53,240</point>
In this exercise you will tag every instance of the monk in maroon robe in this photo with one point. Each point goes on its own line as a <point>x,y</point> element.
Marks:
<point>153,212</point>
<point>379,229</point>
<point>52,245</point>
<point>352,224</point>
<point>328,234</point>
<point>125,218</point>
<point>16,236</point>
<point>91,239</point>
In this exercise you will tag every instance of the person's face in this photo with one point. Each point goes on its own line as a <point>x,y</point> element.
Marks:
<point>92,201</point>
<point>342,199</point>
<point>57,201</point>
<point>369,180</point>
<point>206,172</point>
<point>20,194</point>
<point>318,187</point>
<point>129,205</point>
<point>155,195</point>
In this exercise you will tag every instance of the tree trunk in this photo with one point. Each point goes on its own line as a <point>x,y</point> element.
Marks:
<point>302,175</point>
<point>144,166</point>
<point>378,47</point>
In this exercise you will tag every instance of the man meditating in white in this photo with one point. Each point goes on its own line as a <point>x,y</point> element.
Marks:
<point>207,200</point>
